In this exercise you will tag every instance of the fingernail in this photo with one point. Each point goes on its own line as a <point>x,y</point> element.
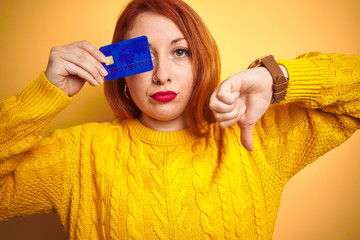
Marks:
<point>104,72</point>
<point>103,58</point>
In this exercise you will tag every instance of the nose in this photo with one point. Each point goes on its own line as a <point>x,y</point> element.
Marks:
<point>162,73</point>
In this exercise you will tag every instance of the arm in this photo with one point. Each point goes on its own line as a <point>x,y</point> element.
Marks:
<point>31,167</point>
<point>321,108</point>
<point>23,120</point>
<point>25,116</point>
<point>245,96</point>
<point>320,111</point>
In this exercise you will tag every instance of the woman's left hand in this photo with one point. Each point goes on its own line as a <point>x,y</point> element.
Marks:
<point>244,98</point>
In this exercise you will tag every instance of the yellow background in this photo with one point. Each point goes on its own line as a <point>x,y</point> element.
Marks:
<point>321,202</point>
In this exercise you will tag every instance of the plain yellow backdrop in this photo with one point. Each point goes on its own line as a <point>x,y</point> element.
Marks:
<point>321,202</point>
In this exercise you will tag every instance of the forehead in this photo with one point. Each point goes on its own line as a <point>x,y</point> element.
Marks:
<point>154,26</point>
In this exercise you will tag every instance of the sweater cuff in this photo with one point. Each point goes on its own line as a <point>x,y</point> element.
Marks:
<point>306,80</point>
<point>42,99</point>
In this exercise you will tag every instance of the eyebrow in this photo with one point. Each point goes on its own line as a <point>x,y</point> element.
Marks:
<point>175,40</point>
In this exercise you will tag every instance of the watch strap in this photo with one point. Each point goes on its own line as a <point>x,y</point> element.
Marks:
<point>280,83</point>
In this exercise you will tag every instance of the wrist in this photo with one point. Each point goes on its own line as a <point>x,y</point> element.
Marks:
<point>266,82</point>
<point>280,82</point>
<point>43,99</point>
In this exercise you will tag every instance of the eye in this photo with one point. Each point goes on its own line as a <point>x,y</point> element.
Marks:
<point>182,52</point>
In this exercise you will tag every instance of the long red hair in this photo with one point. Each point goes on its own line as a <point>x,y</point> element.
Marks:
<point>205,61</point>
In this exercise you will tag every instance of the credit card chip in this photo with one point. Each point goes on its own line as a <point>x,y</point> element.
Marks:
<point>109,60</point>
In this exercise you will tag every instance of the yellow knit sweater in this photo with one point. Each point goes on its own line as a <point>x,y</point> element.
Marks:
<point>122,180</point>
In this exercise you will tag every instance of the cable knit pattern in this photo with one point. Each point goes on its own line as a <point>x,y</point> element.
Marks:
<point>84,221</point>
<point>158,191</point>
<point>134,198</point>
<point>122,180</point>
<point>115,199</point>
<point>201,181</point>
<point>231,198</point>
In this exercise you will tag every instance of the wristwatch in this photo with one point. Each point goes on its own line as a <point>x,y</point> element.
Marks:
<point>280,82</point>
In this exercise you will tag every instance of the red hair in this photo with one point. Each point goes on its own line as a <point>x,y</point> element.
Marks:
<point>205,61</point>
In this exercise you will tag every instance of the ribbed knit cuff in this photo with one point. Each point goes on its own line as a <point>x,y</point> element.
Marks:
<point>42,99</point>
<point>306,79</point>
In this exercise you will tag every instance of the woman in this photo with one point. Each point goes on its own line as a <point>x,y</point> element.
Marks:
<point>172,169</point>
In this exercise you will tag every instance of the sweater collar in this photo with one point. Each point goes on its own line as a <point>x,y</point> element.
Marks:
<point>155,137</point>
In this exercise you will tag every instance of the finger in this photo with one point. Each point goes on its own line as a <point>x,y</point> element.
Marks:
<point>222,117</point>
<point>213,98</point>
<point>236,113</point>
<point>247,136</point>
<point>225,93</point>
<point>228,123</point>
<point>85,61</point>
<point>98,65</point>
<point>96,53</point>
<point>73,69</point>
<point>229,119</point>
<point>218,106</point>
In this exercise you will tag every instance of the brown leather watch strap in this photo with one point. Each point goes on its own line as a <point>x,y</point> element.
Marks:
<point>280,82</point>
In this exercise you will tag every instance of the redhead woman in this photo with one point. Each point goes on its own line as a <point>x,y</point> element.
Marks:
<point>186,157</point>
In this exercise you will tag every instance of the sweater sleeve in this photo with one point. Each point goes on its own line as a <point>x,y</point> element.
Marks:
<point>320,111</point>
<point>31,171</point>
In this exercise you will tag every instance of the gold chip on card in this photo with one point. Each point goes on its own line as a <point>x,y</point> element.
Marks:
<point>109,60</point>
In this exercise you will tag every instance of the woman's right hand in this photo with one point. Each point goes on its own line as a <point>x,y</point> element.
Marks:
<point>72,65</point>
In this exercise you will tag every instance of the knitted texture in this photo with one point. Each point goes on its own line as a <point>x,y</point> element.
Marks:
<point>122,180</point>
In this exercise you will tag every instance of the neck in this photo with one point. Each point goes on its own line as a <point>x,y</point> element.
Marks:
<point>164,125</point>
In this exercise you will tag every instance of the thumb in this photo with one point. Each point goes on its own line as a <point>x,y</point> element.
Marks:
<point>247,136</point>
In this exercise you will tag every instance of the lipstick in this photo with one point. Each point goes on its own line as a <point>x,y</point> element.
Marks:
<point>164,96</point>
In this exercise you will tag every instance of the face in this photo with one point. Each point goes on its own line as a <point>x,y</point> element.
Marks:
<point>163,93</point>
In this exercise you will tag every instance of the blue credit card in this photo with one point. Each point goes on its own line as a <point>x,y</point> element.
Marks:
<point>127,58</point>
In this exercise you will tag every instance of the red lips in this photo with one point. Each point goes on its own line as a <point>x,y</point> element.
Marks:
<point>164,96</point>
